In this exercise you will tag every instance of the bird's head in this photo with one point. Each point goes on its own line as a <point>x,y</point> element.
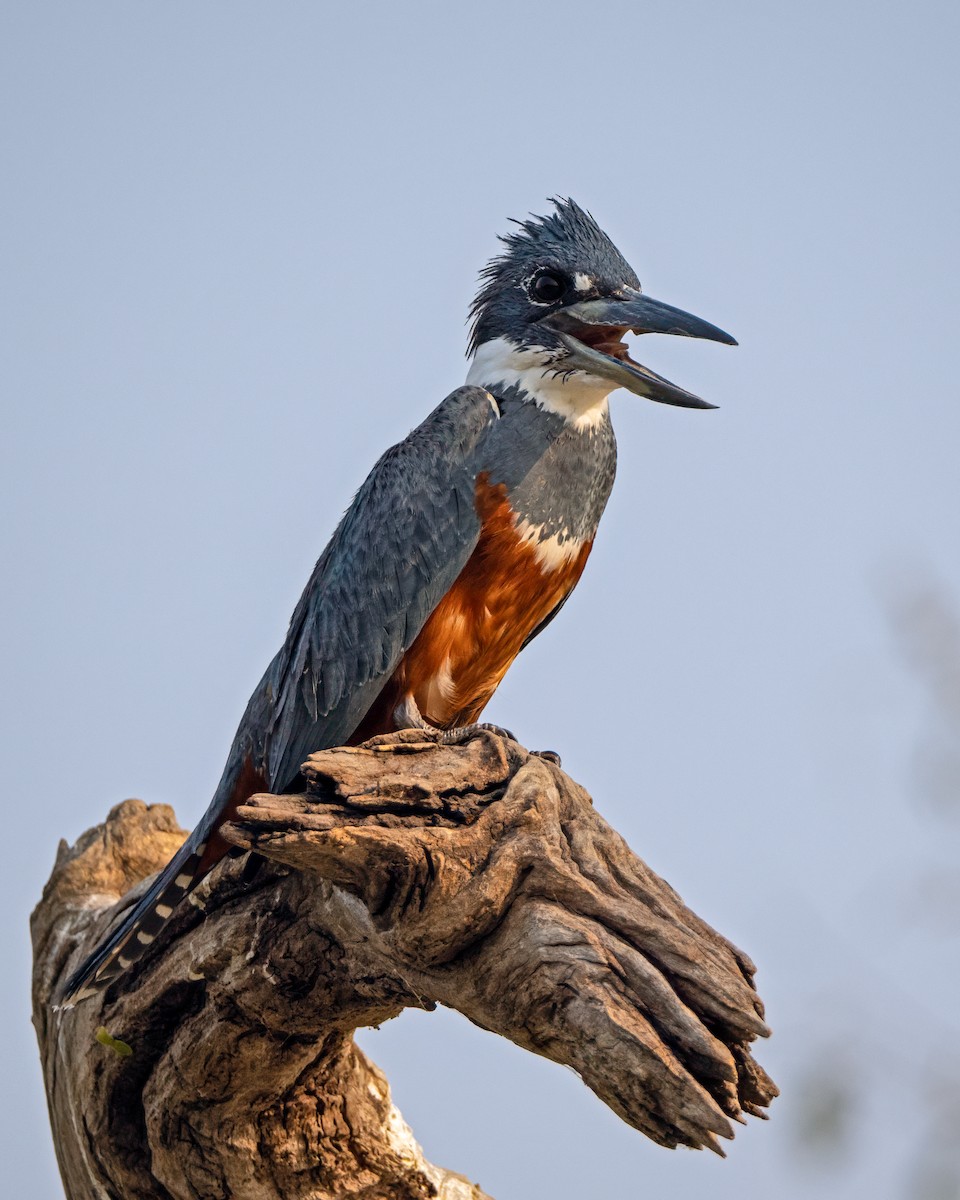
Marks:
<point>552,312</point>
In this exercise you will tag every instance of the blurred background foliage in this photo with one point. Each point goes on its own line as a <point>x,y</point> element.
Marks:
<point>832,1115</point>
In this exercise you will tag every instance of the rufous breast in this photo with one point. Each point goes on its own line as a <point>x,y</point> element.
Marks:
<point>516,577</point>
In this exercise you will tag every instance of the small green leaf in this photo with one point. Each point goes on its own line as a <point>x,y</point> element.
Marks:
<point>105,1038</point>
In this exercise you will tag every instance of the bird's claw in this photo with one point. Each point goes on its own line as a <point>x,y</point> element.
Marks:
<point>551,756</point>
<point>456,737</point>
<point>407,715</point>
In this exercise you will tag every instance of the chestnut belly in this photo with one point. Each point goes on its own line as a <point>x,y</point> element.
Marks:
<point>515,578</point>
<point>478,629</point>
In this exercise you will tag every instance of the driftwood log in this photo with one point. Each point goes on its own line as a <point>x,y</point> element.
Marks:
<point>407,875</point>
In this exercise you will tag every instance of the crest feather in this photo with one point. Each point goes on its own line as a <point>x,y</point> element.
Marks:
<point>569,232</point>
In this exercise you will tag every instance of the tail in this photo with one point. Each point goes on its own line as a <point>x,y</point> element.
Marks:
<point>141,924</point>
<point>195,859</point>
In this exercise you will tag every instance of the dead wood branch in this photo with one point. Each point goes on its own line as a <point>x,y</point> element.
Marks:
<point>479,877</point>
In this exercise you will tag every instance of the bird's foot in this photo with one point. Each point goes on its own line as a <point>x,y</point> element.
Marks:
<point>463,733</point>
<point>407,715</point>
<point>550,756</point>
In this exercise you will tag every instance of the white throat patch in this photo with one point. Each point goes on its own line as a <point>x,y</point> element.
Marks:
<point>579,398</point>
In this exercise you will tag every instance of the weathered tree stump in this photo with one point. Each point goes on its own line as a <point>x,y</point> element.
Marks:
<point>409,874</point>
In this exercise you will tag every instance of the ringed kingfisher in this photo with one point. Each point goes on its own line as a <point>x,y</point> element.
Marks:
<point>460,547</point>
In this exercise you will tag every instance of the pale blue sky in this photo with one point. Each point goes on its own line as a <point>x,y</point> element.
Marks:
<point>238,245</point>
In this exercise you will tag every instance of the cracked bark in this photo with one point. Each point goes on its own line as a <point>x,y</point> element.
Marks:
<point>407,875</point>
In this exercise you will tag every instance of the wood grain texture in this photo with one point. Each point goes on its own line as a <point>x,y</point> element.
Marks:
<point>409,874</point>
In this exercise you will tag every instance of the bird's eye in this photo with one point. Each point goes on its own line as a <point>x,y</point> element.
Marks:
<point>548,287</point>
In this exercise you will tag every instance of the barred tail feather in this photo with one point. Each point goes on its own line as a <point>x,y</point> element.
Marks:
<point>198,855</point>
<point>140,926</point>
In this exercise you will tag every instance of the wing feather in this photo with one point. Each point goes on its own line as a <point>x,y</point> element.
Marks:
<point>401,544</point>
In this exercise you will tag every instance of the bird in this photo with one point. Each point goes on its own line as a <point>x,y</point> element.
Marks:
<point>460,547</point>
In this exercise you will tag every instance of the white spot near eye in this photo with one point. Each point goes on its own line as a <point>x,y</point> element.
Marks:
<point>583,283</point>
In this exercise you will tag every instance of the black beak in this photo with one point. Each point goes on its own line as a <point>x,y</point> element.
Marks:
<point>590,330</point>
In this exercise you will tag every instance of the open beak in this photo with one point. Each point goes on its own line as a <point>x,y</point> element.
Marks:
<point>593,330</point>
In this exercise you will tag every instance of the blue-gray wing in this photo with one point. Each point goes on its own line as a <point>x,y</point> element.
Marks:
<point>402,543</point>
